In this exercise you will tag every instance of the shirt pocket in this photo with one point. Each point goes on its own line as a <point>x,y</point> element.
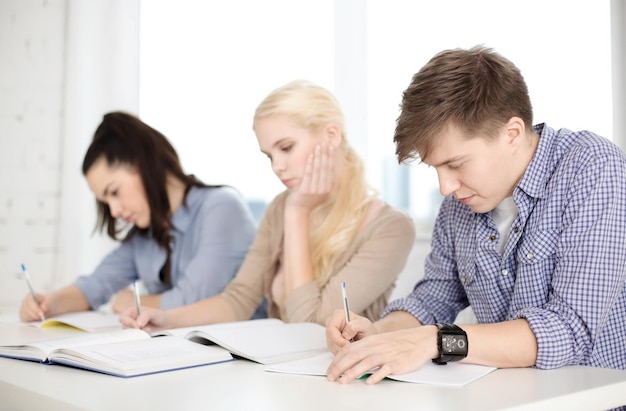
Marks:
<point>466,267</point>
<point>536,260</point>
<point>538,247</point>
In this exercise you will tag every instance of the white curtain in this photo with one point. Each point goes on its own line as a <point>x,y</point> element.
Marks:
<point>101,75</point>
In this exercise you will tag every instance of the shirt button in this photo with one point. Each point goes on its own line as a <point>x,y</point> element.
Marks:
<point>463,279</point>
<point>492,237</point>
<point>530,255</point>
<point>516,230</point>
<point>504,272</point>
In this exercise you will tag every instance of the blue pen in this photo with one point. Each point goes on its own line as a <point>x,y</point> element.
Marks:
<point>30,285</point>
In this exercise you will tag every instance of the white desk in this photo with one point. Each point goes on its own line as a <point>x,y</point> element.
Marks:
<point>243,385</point>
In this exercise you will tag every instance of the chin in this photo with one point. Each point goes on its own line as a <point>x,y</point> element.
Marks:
<point>141,225</point>
<point>478,208</point>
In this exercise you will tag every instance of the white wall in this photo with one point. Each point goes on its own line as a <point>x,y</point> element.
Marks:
<point>31,97</point>
<point>64,64</point>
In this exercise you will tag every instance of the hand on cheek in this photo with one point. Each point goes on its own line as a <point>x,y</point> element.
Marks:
<point>317,180</point>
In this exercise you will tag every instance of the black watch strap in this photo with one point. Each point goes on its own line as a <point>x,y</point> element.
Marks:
<point>451,343</point>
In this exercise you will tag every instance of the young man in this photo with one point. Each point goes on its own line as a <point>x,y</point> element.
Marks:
<point>531,234</point>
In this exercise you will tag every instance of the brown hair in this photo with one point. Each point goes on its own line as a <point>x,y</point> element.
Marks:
<point>476,90</point>
<point>123,139</point>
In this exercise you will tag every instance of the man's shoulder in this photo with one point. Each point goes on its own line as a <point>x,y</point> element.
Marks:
<point>563,153</point>
<point>584,145</point>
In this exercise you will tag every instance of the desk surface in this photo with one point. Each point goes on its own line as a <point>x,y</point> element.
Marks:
<point>241,384</point>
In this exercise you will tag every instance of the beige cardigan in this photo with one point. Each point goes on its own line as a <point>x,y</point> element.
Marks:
<point>369,267</point>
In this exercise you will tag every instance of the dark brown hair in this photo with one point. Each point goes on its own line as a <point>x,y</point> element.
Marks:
<point>476,90</point>
<point>123,139</point>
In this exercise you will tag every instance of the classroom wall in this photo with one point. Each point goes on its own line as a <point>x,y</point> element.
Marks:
<point>31,96</point>
<point>64,64</point>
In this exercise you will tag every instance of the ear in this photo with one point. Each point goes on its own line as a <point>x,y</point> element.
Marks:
<point>333,135</point>
<point>515,131</point>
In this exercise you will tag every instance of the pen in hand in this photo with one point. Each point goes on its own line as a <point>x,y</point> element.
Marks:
<point>137,300</point>
<point>346,308</point>
<point>32,290</point>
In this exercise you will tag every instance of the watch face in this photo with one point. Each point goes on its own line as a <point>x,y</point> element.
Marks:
<point>454,344</point>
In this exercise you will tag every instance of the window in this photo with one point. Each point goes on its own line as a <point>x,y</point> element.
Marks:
<point>206,65</point>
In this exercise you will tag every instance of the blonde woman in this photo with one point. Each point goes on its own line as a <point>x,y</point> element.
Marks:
<point>327,227</point>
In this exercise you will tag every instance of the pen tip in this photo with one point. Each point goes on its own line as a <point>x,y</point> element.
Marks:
<point>23,268</point>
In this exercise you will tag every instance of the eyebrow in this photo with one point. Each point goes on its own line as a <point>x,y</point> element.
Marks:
<point>106,190</point>
<point>275,144</point>
<point>448,161</point>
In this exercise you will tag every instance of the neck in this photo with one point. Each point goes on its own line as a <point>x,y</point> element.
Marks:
<point>531,147</point>
<point>175,192</point>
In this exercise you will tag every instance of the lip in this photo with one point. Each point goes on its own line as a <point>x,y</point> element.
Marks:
<point>287,182</point>
<point>466,200</point>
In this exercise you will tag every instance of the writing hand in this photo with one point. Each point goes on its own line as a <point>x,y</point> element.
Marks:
<point>338,333</point>
<point>396,352</point>
<point>151,319</point>
<point>31,311</point>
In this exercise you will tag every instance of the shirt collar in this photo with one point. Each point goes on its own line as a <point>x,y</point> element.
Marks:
<point>183,215</point>
<point>536,176</point>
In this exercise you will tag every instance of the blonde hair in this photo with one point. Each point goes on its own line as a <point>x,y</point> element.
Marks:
<point>313,107</point>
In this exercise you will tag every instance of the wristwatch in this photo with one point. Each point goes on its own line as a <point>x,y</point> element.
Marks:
<point>451,342</point>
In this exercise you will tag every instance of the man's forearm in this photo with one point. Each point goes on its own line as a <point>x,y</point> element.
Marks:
<point>396,320</point>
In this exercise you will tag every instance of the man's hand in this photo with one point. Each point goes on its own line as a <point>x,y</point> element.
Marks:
<point>396,352</point>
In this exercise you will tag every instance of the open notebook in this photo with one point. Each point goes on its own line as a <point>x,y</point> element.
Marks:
<point>90,321</point>
<point>131,352</point>
<point>123,353</point>
<point>451,374</point>
<point>265,341</point>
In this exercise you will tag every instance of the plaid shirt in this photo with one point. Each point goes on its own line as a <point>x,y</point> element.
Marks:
<point>564,264</point>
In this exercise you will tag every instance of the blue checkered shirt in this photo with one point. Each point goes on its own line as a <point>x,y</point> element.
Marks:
<point>564,263</point>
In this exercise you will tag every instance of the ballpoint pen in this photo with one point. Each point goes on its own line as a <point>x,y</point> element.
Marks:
<point>137,300</point>
<point>345,302</point>
<point>30,287</point>
<point>346,309</point>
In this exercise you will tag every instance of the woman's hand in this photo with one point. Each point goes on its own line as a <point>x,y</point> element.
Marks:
<point>151,319</point>
<point>317,181</point>
<point>338,333</point>
<point>31,311</point>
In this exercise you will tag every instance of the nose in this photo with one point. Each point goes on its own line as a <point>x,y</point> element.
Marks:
<point>115,208</point>
<point>278,166</point>
<point>448,183</point>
